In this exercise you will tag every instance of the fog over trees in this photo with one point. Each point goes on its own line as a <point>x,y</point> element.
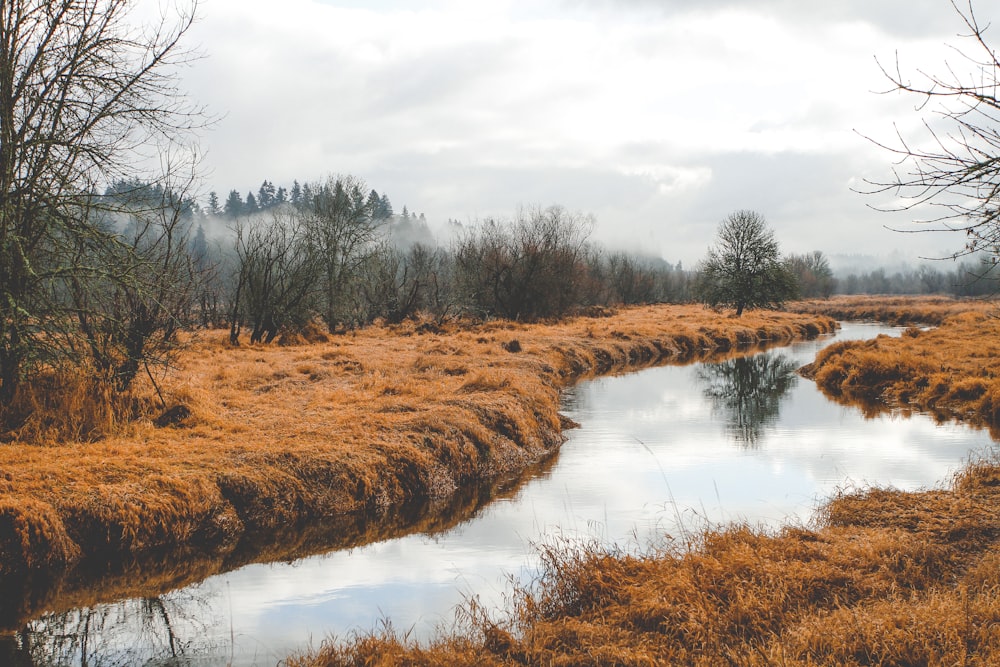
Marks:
<point>106,253</point>
<point>334,253</point>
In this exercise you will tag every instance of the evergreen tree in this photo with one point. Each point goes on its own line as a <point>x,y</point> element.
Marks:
<point>374,204</point>
<point>199,249</point>
<point>234,205</point>
<point>296,194</point>
<point>280,196</point>
<point>251,205</point>
<point>385,210</point>
<point>813,274</point>
<point>213,203</point>
<point>265,195</point>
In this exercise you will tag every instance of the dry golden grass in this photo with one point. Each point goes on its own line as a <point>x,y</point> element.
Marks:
<point>885,578</point>
<point>882,577</point>
<point>896,310</point>
<point>267,441</point>
<point>948,371</point>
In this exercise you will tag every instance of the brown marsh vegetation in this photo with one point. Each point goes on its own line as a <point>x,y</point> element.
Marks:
<point>262,442</point>
<point>888,578</point>
<point>882,577</point>
<point>947,370</point>
<point>894,310</point>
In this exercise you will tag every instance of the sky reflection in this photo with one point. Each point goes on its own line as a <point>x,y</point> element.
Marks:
<point>656,455</point>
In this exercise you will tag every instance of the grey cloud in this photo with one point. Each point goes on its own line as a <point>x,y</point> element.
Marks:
<point>434,77</point>
<point>415,130</point>
<point>499,190</point>
<point>905,18</point>
<point>807,199</point>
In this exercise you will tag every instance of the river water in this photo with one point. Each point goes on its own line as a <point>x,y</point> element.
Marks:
<point>659,455</point>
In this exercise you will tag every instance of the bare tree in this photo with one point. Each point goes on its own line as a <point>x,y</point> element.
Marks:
<point>276,276</point>
<point>131,291</point>
<point>629,281</point>
<point>397,284</point>
<point>83,92</point>
<point>955,167</point>
<point>532,267</point>
<point>341,230</point>
<point>812,273</point>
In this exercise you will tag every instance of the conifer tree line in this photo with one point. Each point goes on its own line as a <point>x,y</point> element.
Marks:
<point>268,196</point>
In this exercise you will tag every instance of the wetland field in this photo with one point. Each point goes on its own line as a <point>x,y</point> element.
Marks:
<point>269,454</point>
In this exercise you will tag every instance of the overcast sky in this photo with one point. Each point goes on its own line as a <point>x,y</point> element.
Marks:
<point>659,117</point>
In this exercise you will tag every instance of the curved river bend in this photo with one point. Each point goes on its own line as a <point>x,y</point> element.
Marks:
<point>659,452</point>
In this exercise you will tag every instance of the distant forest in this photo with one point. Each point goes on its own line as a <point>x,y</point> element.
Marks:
<point>974,277</point>
<point>337,252</point>
<point>368,262</point>
<point>512,268</point>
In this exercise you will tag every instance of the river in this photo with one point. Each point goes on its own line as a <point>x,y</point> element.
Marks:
<point>659,455</point>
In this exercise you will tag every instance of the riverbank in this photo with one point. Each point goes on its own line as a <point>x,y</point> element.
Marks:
<point>881,578</point>
<point>893,310</point>
<point>889,578</point>
<point>947,370</point>
<point>384,430</point>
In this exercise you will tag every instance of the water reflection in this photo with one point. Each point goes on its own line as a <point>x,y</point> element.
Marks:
<point>654,452</point>
<point>202,617</point>
<point>747,392</point>
<point>162,630</point>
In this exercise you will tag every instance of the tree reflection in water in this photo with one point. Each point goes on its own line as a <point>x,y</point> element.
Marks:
<point>164,630</point>
<point>747,391</point>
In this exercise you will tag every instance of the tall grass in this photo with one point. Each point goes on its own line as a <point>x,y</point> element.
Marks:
<point>60,404</point>
<point>883,578</point>
<point>266,440</point>
<point>947,371</point>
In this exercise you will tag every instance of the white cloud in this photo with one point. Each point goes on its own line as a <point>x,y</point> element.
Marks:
<point>659,118</point>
